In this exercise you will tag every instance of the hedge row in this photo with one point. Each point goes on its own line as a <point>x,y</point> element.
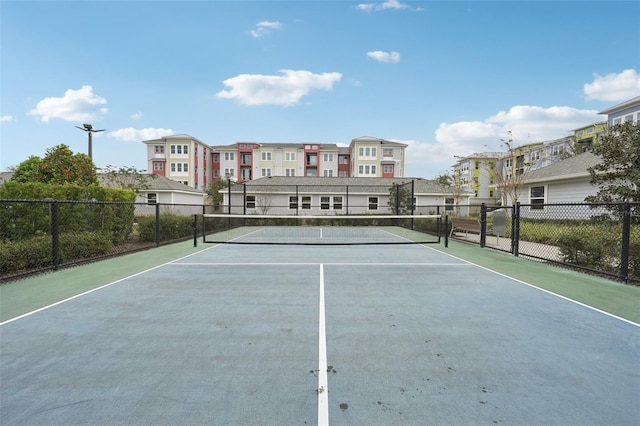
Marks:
<point>36,252</point>
<point>172,227</point>
<point>110,210</point>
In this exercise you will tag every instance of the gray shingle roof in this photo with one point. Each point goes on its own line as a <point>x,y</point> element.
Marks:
<point>572,167</point>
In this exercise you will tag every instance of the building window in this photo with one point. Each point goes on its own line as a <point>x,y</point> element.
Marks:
<point>328,158</point>
<point>537,197</point>
<point>159,149</point>
<point>306,202</point>
<point>617,120</point>
<point>158,166</point>
<point>185,149</point>
<point>290,156</point>
<point>373,203</point>
<point>387,168</point>
<point>535,156</point>
<point>216,158</point>
<point>387,152</point>
<point>290,172</point>
<point>448,204</point>
<point>337,203</point>
<point>230,172</point>
<point>152,198</point>
<point>293,202</point>
<point>328,173</point>
<point>367,151</point>
<point>250,201</point>
<point>628,118</point>
<point>343,173</point>
<point>230,156</point>
<point>266,172</point>
<point>266,156</point>
<point>324,203</point>
<point>343,159</point>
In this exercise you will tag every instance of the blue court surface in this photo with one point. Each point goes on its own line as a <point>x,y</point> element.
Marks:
<point>340,335</point>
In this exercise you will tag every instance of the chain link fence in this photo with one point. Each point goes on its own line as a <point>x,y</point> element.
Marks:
<point>598,238</point>
<point>45,235</point>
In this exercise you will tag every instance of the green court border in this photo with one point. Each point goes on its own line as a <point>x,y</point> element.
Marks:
<point>24,296</point>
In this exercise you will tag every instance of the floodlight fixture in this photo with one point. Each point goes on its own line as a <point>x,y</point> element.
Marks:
<point>89,129</point>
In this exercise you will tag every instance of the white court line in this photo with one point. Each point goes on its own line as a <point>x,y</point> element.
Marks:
<point>465,264</point>
<point>101,287</point>
<point>538,288</point>
<point>323,384</point>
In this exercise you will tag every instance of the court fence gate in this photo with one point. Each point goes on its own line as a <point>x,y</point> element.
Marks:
<point>599,238</point>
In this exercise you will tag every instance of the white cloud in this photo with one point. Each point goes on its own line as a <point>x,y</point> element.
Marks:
<point>528,124</point>
<point>6,119</point>
<point>381,56</point>
<point>614,87</point>
<point>389,4</point>
<point>286,89</point>
<point>136,116</point>
<point>263,28</point>
<point>131,134</point>
<point>75,105</point>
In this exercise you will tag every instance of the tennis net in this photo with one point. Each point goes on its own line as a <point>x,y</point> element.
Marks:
<point>321,230</point>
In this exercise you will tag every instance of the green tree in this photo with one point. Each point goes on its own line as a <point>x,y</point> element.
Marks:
<point>59,166</point>
<point>618,175</point>
<point>28,170</point>
<point>400,198</point>
<point>214,191</point>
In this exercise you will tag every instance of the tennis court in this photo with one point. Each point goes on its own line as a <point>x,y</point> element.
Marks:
<point>232,334</point>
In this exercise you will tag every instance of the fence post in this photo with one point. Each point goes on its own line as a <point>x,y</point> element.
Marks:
<point>515,228</point>
<point>244,198</point>
<point>483,225</point>
<point>157,225</point>
<point>55,235</point>
<point>195,230</point>
<point>626,239</point>
<point>346,202</point>
<point>446,230</point>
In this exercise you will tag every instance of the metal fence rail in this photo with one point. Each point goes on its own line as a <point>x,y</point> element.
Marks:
<point>44,235</point>
<point>598,238</point>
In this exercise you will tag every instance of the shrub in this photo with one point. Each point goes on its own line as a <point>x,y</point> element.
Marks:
<point>172,227</point>
<point>36,252</point>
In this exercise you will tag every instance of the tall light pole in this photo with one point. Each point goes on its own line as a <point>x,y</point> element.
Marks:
<point>89,129</point>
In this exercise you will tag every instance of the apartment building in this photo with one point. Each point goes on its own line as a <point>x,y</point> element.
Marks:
<point>194,163</point>
<point>375,157</point>
<point>482,173</point>
<point>182,158</point>
<point>628,111</point>
<point>587,136</point>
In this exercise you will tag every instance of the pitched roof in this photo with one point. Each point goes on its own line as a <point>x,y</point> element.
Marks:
<point>568,168</point>
<point>631,102</point>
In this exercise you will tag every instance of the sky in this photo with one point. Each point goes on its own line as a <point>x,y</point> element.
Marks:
<point>447,78</point>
